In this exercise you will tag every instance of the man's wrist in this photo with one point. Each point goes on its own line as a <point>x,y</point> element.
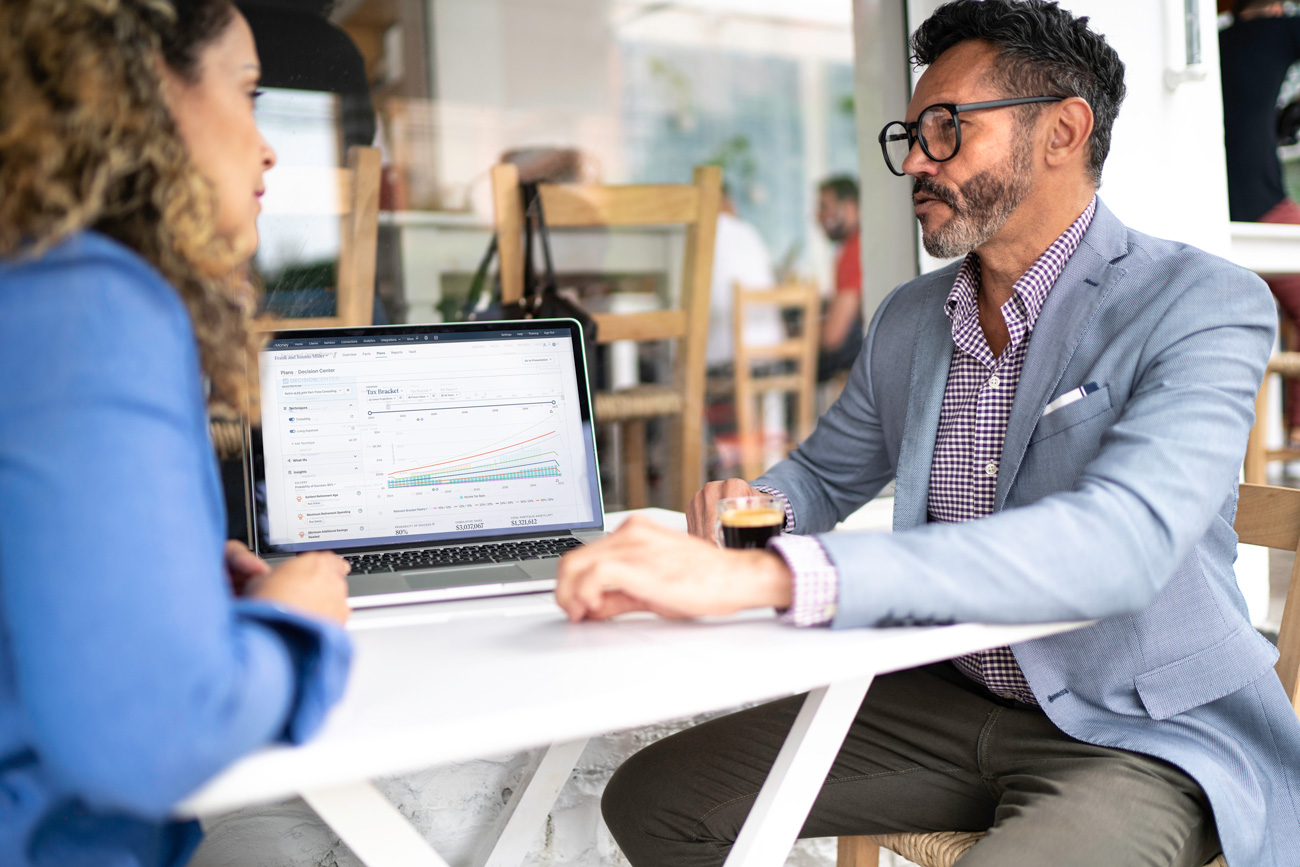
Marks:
<point>814,584</point>
<point>767,580</point>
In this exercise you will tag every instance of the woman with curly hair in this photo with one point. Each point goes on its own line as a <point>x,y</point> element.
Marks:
<point>139,654</point>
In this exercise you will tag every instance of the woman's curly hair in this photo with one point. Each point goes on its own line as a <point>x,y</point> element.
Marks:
<point>87,142</point>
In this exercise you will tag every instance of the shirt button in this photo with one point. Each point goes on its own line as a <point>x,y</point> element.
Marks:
<point>991,469</point>
<point>994,381</point>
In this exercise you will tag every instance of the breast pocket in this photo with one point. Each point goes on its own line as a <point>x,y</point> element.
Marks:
<point>1072,414</point>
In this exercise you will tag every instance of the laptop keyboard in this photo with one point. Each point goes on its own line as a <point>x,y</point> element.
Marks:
<point>466,555</point>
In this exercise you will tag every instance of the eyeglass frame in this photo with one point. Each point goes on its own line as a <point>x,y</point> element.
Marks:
<point>912,131</point>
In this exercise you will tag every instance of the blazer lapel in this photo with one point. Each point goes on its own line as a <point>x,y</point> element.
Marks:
<point>1066,316</point>
<point>931,358</point>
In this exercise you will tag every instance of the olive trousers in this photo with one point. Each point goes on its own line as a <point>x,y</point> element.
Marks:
<point>930,750</point>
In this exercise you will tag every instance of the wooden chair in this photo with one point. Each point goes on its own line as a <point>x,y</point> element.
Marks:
<point>1266,515</point>
<point>752,382</point>
<point>693,205</point>
<point>351,193</point>
<point>1258,454</point>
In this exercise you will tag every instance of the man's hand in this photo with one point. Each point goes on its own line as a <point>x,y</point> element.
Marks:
<point>242,566</point>
<point>702,510</point>
<point>645,567</point>
<point>315,583</point>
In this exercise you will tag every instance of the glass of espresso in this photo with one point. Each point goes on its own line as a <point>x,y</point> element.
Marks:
<point>748,522</point>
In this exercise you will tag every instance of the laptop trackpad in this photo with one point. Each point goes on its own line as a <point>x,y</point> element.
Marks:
<point>432,579</point>
<point>374,585</point>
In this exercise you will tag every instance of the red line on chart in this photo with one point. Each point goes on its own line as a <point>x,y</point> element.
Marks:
<point>471,457</point>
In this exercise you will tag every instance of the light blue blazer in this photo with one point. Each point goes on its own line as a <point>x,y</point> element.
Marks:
<point>1117,507</point>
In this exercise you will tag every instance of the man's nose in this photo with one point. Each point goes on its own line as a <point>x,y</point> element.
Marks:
<point>917,162</point>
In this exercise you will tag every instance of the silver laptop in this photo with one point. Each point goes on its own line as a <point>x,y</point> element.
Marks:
<point>447,461</point>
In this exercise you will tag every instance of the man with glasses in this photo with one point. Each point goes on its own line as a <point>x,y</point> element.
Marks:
<point>1064,413</point>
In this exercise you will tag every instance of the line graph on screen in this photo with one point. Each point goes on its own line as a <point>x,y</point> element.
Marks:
<point>534,457</point>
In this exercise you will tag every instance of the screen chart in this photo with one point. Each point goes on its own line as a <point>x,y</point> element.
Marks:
<point>366,443</point>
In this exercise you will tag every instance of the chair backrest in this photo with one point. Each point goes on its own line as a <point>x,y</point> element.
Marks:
<point>693,206</point>
<point>798,376</point>
<point>351,193</point>
<point>1270,516</point>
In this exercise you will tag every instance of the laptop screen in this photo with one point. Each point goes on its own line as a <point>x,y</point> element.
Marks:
<point>372,437</point>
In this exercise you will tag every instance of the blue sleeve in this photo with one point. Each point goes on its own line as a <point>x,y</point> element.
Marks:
<point>138,675</point>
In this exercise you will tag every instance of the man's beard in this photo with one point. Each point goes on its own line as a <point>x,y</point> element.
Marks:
<point>984,204</point>
<point>836,231</point>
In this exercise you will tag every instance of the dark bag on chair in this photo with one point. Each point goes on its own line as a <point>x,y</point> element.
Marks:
<point>541,298</point>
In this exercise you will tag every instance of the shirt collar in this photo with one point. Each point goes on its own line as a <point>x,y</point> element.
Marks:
<point>1031,289</point>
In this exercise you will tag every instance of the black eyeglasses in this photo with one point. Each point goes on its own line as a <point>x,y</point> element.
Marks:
<point>938,130</point>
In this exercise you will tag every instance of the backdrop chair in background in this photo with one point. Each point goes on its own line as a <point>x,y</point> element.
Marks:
<point>351,193</point>
<point>786,368</point>
<point>685,327</point>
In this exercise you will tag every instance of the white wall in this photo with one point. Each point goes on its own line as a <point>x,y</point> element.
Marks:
<point>1166,174</point>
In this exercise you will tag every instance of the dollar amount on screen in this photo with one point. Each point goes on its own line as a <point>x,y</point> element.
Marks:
<point>522,522</point>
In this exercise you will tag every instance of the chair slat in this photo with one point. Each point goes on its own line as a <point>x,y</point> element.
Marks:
<point>790,349</point>
<point>628,205</point>
<point>789,296</point>
<point>653,325</point>
<point>1268,516</point>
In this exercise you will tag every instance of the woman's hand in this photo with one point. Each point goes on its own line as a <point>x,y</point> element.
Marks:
<point>315,582</point>
<point>242,566</point>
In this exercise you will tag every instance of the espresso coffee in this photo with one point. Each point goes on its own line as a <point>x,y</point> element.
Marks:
<point>751,528</point>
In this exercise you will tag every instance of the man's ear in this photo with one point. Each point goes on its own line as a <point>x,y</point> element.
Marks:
<point>1070,126</point>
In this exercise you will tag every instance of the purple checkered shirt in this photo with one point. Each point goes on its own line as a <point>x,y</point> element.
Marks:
<point>972,425</point>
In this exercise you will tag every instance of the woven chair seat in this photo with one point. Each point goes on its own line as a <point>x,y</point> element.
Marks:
<point>940,849</point>
<point>637,402</point>
<point>943,848</point>
<point>227,437</point>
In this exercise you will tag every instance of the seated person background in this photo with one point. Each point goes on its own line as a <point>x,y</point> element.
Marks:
<point>129,674</point>
<point>739,256</point>
<point>841,337</point>
<point>1064,413</point>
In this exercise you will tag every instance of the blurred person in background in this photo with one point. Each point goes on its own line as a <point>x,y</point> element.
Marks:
<point>139,652</point>
<point>841,337</point>
<point>739,256</point>
<point>1254,56</point>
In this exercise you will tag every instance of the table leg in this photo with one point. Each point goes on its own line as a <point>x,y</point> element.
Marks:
<point>376,831</point>
<point>531,802</point>
<point>797,775</point>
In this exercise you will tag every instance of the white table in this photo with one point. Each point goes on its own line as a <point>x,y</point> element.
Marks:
<point>454,681</point>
